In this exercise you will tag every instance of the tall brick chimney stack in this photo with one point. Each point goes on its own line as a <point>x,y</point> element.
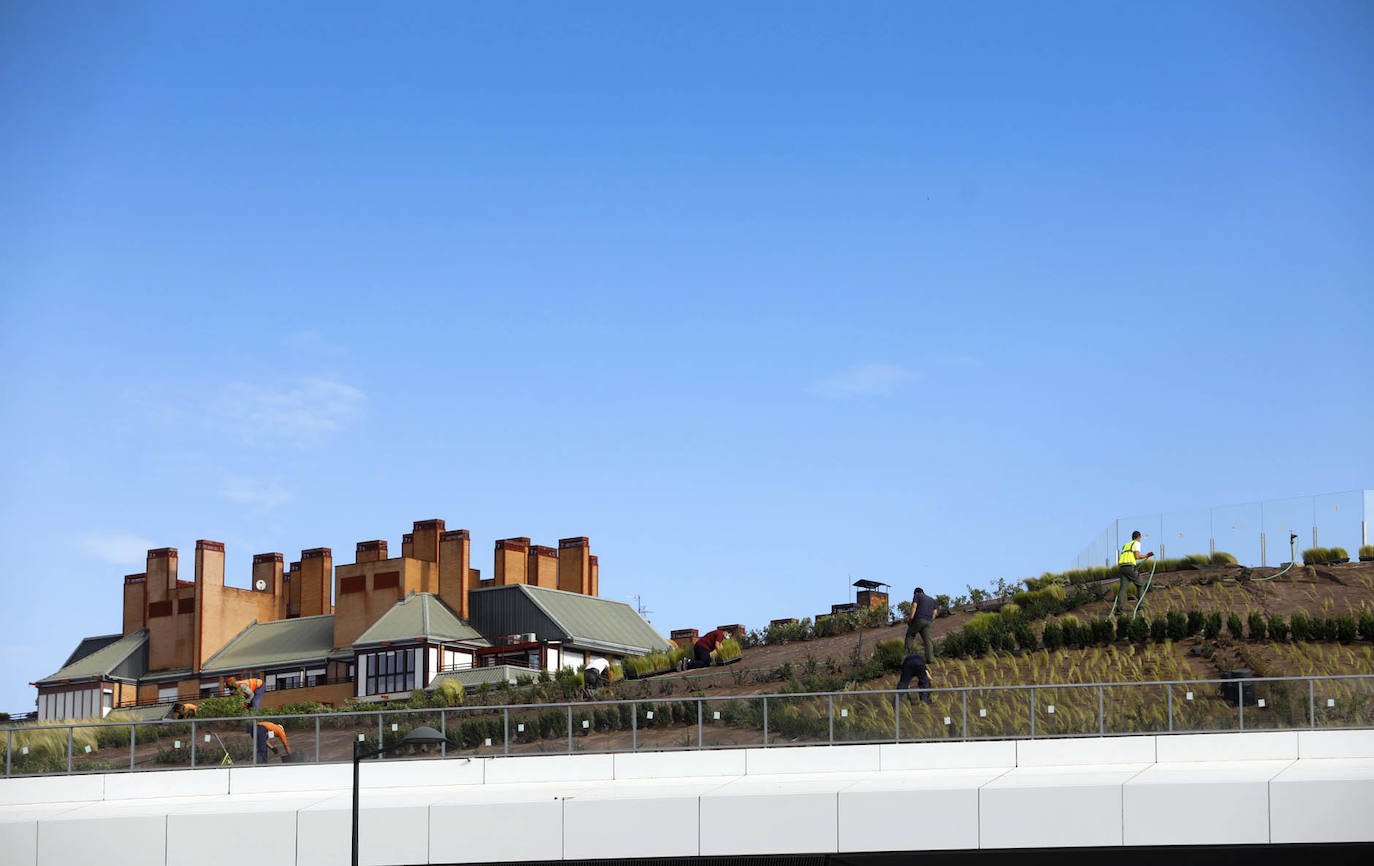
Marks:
<point>161,574</point>
<point>574,564</point>
<point>542,566</point>
<point>209,563</point>
<point>455,557</point>
<point>511,554</point>
<point>425,539</point>
<point>594,576</point>
<point>370,551</point>
<point>135,602</point>
<point>408,545</point>
<point>267,571</point>
<point>317,581</point>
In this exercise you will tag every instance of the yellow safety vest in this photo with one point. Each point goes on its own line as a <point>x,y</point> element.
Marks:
<point>1127,556</point>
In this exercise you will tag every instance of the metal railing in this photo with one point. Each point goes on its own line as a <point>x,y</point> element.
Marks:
<point>744,721</point>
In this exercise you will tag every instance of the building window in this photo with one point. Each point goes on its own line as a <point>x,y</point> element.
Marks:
<point>289,681</point>
<point>391,672</point>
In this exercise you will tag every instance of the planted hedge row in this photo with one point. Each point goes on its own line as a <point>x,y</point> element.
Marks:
<point>1102,572</point>
<point>1325,555</point>
<point>1009,633</point>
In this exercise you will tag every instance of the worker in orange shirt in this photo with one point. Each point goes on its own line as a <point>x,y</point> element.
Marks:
<point>184,711</point>
<point>250,689</point>
<point>267,733</point>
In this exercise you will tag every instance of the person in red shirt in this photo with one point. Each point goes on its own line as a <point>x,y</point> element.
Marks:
<point>701,653</point>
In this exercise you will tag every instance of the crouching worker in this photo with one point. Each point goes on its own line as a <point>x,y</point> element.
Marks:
<point>596,674</point>
<point>184,711</point>
<point>914,667</point>
<point>267,734</point>
<point>250,690</point>
<point>701,652</point>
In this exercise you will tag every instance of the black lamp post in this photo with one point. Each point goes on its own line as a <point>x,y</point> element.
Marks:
<point>422,736</point>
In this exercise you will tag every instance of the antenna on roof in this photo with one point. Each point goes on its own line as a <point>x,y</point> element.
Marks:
<point>640,608</point>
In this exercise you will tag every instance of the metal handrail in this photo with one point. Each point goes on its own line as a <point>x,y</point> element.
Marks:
<point>1010,728</point>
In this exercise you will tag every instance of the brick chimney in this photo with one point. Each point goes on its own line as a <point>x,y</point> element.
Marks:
<point>511,554</point>
<point>574,565</point>
<point>370,551</point>
<point>425,539</point>
<point>317,581</point>
<point>455,556</point>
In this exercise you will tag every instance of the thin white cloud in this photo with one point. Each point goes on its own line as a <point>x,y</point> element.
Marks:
<point>269,493</point>
<point>300,413</point>
<point>115,548</point>
<point>864,380</point>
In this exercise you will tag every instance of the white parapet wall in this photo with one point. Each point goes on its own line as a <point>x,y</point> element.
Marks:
<point>1185,789</point>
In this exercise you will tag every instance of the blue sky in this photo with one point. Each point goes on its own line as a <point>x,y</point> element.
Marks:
<point>760,299</point>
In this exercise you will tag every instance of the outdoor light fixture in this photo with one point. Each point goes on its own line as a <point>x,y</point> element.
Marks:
<point>421,736</point>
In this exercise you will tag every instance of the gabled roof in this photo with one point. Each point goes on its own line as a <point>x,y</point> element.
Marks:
<point>267,644</point>
<point>474,677</point>
<point>419,616</point>
<point>125,657</point>
<point>90,645</point>
<point>552,614</point>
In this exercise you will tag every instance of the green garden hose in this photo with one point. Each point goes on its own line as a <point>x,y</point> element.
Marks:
<point>1149,581</point>
<point>1260,579</point>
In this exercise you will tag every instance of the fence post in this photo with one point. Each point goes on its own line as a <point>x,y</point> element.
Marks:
<point>1311,704</point>
<point>701,725</point>
<point>1032,712</point>
<point>317,739</point>
<point>1101,714</point>
<point>570,729</point>
<point>71,735</point>
<point>133,738</point>
<point>1240,701</point>
<point>9,751</point>
<point>1171,709</point>
<point>765,721</point>
<point>830,699</point>
<point>381,736</point>
<point>505,733</point>
<point>193,743</point>
<point>896,717</point>
<point>634,726</point>
<point>964,695</point>
<point>443,729</point>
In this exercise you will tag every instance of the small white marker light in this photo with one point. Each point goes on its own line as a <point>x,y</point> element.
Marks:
<point>176,744</point>
<point>649,714</point>
<point>362,737</point>
<point>716,715</point>
<point>586,724</point>
<point>24,751</point>
<point>520,728</point>
<point>982,713</point>
<point>844,714</point>
<point>487,741</point>
<point>1261,702</point>
<point>1050,709</point>
<point>1330,702</point>
<point>947,720</point>
<point>394,726</point>
<point>1189,696</point>
<point>207,738</point>
<point>88,748</point>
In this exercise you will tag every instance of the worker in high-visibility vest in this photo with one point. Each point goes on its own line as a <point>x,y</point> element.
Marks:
<point>267,735</point>
<point>1126,565</point>
<point>250,689</point>
<point>184,711</point>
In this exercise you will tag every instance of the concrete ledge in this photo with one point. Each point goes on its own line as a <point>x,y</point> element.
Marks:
<point>1336,744</point>
<point>166,783</point>
<point>550,768</point>
<point>1053,807</point>
<point>420,774</point>
<point>51,789</point>
<point>1199,803</point>
<point>647,826</point>
<point>813,759</point>
<point>530,830</point>
<point>881,820</point>
<point>769,824</point>
<point>1323,800</point>
<point>110,840</point>
<point>947,756</point>
<point>1247,746</point>
<point>290,777</point>
<point>389,832</point>
<point>664,765</point>
<point>1087,750</point>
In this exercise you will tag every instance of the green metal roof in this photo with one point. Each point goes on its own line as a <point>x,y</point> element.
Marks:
<point>104,660</point>
<point>474,677</point>
<point>419,616</point>
<point>576,619</point>
<point>267,644</point>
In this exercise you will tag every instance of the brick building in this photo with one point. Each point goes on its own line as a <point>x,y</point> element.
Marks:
<point>379,625</point>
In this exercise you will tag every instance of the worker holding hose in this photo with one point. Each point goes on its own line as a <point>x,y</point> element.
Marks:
<point>1127,568</point>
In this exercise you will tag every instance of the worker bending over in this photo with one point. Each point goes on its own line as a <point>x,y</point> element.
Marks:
<point>913,666</point>
<point>250,689</point>
<point>923,612</point>
<point>596,674</point>
<point>1126,566</point>
<point>184,711</point>
<point>701,652</point>
<point>267,733</point>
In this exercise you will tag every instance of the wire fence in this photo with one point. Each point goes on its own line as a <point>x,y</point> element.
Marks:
<point>724,722</point>
<point>1256,533</point>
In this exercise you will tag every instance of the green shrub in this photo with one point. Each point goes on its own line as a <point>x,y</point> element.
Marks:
<point>1367,551</point>
<point>1258,627</point>
<point>1315,556</point>
<point>1345,628</point>
<point>1366,625</point>
<point>1235,626</point>
<point>1139,630</point>
<point>220,708</point>
<point>1330,628</point>
<point>953,646</point>
<point>1299,626</point>
<point>1052,636</point>
<point>728,649</point>
<point>1278,629</point>
<point>1123,627</point>
<point>1211,625</point>
<point>1176,625</point>
<point>1073,636</point>
<point>977,643</point>
<point>1196,619</point>
<point>1221,557</point>
<point>1336,554</point>
<point>1159,629</point>
<point>1103,631</point>
<point>1025,638</point>
<point>889,654</point>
